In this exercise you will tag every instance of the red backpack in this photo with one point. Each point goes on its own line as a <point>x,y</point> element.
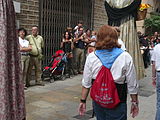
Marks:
<point>104,91</point>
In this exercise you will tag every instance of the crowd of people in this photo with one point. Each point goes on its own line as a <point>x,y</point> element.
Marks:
<point>150,49</point>
<point>86,51</point>
<point>77,43</point>
<point>147,44</point>
<point>110,61</point>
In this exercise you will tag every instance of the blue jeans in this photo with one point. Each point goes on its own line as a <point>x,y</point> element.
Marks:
<point>158,96</point>
<point>118,113</point>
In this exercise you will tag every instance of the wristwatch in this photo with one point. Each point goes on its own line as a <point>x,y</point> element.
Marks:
<point>82,101</point>
<point>135,103</point>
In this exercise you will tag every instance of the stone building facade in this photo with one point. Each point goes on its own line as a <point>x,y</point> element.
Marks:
<point>56,15</point>
<point>29,13</point>
<point>100,15</point>
<point>155,8</point>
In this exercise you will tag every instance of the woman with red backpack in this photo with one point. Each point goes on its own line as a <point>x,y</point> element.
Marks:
<point>109,73</point>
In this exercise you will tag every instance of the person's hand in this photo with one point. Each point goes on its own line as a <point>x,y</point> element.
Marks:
<point>134,110</point>
<point>81,38</point>
<point>154,82</point>
<point>30,47</point>
<point>82,108</point>
<point>21,47</point>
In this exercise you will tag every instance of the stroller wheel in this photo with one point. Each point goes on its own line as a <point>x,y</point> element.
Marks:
<point>63,77</point>
<point>52,79</point>
<point>42,77</point>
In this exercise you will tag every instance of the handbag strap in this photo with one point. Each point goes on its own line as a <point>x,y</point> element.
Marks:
<point>35,44</point>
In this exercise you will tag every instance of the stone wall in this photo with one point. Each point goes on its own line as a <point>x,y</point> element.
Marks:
<point>100,15</point>
<point>29,14</point>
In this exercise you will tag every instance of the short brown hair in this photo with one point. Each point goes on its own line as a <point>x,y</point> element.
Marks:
<point>107,38</point>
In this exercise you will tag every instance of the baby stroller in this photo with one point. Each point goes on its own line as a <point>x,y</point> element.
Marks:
<point>55,69</point>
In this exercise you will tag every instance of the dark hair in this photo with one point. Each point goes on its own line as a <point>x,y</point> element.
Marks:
<point>107,38</point>
<point>80,22</point>
<point>64,35</point>
<point>24,30</point>
<point>87,30</point>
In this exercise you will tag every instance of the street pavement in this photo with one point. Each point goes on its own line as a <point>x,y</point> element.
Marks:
<point>59,100</point>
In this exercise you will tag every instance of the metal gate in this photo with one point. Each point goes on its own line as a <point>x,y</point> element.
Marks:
<point>56,15</point>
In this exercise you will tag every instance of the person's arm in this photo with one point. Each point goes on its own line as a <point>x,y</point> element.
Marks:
<point>132,84</point>
<point>76,38</point>
<point>61,46</point>
<point>82,105</point>
<point>153,74</point>
<point>85,92</point>
<point>93,39</point>
<point>72,45</point>
<point>25,49</point>
<point>134,105</point>
<point>42,44</point>
<point>153,58</point>
<point>87,40</point>
<point>86,85</point>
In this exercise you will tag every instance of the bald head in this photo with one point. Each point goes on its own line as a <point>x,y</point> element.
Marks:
<point>34,30</point>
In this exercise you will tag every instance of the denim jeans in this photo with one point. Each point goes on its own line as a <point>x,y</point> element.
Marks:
<point>158,96</point>
<point>118,113</point>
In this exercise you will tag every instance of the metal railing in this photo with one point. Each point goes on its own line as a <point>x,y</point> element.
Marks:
<point>56,15</point>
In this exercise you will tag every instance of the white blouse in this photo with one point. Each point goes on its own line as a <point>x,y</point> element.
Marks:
<point>23,42</point>
<point>122,68</point>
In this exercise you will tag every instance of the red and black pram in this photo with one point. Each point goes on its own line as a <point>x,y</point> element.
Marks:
<point>56,67</point>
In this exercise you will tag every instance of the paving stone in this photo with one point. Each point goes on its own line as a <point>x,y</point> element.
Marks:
<point>60,100</point>
<point>44,104</point>
<point>39,89</point>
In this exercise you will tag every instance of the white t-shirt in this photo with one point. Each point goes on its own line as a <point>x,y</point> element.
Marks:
<point>156,56</point>
<point>121,69</point>
<point>23,43</point>
<point>93,43</point>
<point>122,44</point>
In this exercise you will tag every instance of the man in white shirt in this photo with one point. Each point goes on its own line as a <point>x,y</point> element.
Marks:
<point>24,49</point>
<point>76,29</point>
<point>156,75</point>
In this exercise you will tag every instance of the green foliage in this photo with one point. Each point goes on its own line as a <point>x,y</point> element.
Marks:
<point>152,24</point>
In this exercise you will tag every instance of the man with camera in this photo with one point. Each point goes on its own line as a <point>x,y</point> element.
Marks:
<point>79,44</point>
